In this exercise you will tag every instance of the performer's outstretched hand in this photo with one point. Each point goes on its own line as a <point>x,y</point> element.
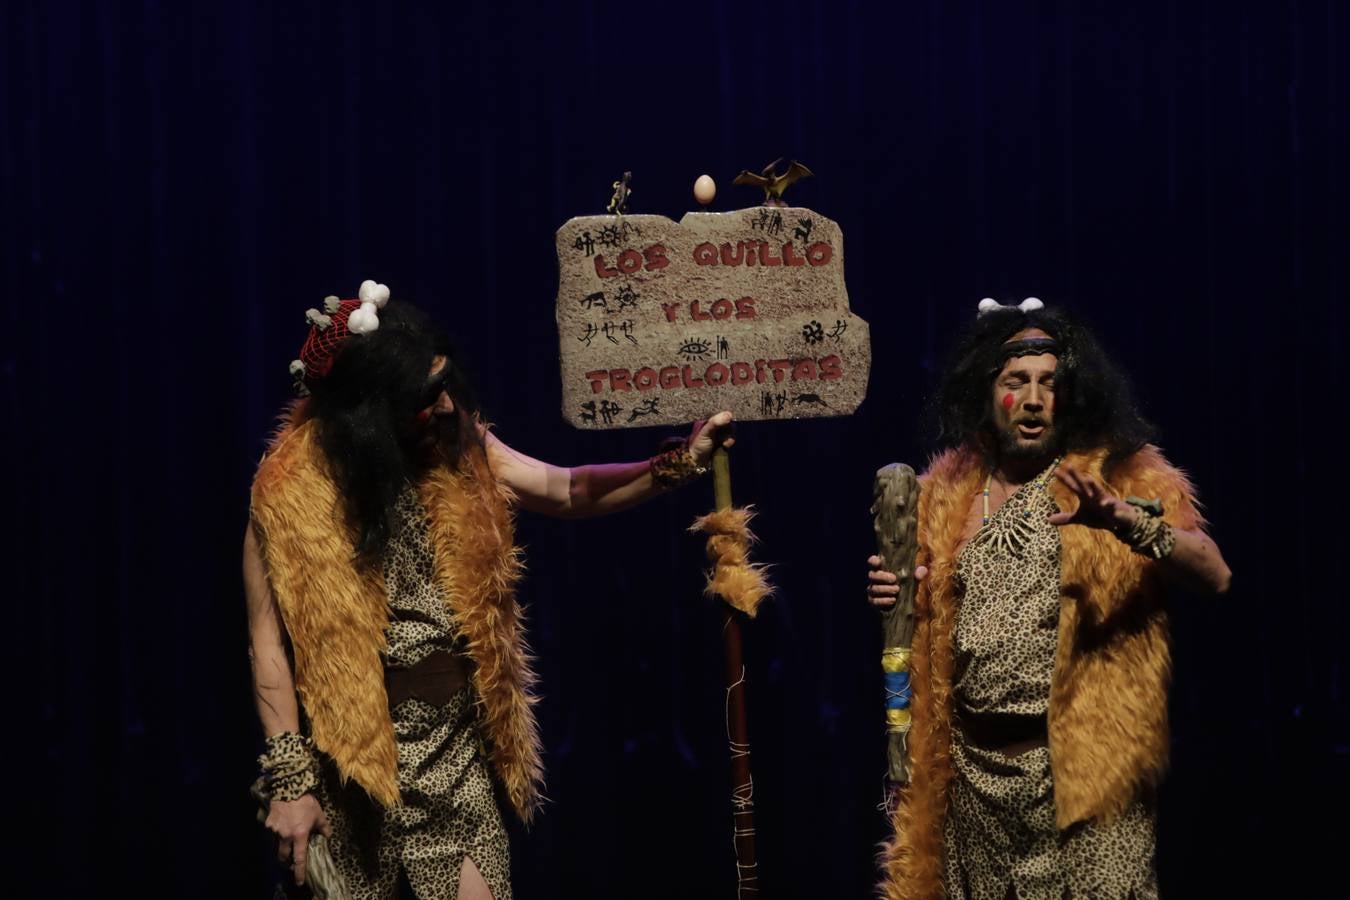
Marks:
<point>707,435</point>
<point>1097,508</point>
<point>882,586</point>
<point>293,821</point>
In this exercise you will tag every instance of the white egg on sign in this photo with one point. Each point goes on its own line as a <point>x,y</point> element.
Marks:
<point>705,189</point>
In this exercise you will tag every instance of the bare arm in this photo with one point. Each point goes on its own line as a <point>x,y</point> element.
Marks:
<point>1197,562</point>
<point>570,493</point>
<point>591,490</point>
<point>278,710</point>
<point>273,683</point>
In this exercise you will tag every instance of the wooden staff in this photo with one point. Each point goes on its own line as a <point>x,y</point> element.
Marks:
<point>895,512</point>
<point>738,733</point>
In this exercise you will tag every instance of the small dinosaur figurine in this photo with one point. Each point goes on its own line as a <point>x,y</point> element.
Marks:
<point>772,183</point>
<point>618,204</point>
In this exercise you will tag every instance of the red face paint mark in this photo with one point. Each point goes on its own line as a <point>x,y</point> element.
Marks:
<point>1008,401</point>
<point>424,416</point>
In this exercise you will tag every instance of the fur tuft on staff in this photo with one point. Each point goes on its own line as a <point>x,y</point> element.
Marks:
<point>735,579</point>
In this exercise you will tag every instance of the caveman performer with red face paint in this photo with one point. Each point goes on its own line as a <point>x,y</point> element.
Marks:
<point>392,676</point>
<point>1039,668</point>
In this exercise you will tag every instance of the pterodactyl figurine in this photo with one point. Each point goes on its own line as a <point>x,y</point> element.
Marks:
<point>771,182</point>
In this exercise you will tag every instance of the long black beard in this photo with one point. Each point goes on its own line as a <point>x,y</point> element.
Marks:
<point>1010,447</point>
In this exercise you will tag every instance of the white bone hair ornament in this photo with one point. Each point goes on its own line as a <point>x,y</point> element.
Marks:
<point>373,298</point>
<point>1031,304</point>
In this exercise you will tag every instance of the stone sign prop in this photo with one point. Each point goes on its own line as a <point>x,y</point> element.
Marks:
<point>663,323</point>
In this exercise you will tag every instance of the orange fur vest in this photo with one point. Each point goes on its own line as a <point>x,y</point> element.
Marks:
<point>336,614</point>
<point>1108,695</point>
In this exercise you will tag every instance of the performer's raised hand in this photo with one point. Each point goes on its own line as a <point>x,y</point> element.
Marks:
<point>708,434</point>
<point>1097,507</point>
<point>883,586</point>
<point>293,821</point>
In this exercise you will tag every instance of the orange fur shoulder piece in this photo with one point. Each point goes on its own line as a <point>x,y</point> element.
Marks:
<point>335,617</point>
<point>1113,665</point>
<point>477,567</point>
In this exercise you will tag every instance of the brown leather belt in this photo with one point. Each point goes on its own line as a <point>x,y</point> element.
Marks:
<point>435,679</point>
<point>1009,734</point>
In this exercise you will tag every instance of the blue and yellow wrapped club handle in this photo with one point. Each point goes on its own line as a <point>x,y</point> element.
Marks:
<point>895,665</point>
<point>895,507</point>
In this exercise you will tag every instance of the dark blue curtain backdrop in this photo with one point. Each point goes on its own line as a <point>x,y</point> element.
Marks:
<point>181,181</point>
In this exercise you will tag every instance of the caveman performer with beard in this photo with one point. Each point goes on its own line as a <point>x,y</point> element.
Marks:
<point>392,676</point>
<point>1039,666</point>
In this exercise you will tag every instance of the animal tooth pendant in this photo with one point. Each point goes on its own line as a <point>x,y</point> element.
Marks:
<point>1009,535</point>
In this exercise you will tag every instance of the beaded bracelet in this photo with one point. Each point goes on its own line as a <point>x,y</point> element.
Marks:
<point>1149,534</point>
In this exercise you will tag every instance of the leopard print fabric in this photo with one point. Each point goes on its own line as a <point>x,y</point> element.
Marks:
<point>448,809</point>
<point>1000,835</point>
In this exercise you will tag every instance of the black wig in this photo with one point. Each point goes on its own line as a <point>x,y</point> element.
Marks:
<point>1094,404</point>
<point>367,406</point>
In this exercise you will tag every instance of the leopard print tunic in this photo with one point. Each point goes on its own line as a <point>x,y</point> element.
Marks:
<point>449,809</point>
<point>1000,834</point>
